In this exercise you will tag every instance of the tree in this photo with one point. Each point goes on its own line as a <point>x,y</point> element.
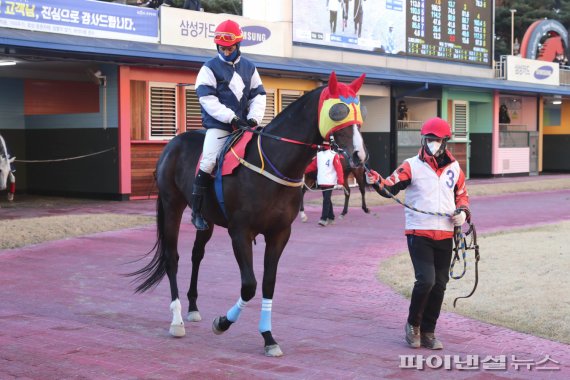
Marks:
<point>233,7</point>
<point>528,11</point>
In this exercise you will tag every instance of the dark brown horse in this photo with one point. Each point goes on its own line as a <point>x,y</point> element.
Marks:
<point>254,204</point>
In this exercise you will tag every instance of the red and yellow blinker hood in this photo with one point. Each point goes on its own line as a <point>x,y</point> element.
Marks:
<point>339,107</point>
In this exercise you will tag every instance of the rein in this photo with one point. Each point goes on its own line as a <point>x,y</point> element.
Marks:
<point>279,138</point>
<point>459,240</point>
<point>279,178</point>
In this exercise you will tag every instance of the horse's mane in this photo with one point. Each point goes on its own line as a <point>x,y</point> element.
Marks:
<point>296,106</point>
<point>3,149</point>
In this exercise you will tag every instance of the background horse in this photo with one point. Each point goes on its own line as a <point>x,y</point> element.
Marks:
<point>359,175</point>
<point>254,204</point>
<point>6,172</point>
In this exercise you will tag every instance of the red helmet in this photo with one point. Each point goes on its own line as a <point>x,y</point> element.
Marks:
<point>436,127</point>
<point>228,33</point>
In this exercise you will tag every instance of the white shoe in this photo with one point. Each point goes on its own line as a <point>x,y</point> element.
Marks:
<point>304,217</point>
<point>323,223</point>
<point>330,221</point>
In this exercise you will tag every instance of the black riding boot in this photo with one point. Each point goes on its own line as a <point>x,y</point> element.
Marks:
<point>200,185</point>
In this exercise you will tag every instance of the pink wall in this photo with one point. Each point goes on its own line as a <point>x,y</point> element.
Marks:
<point>513,160</point>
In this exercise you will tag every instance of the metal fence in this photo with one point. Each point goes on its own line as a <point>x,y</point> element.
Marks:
<point>513,139</point>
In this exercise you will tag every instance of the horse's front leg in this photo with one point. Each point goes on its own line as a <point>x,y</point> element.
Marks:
<point>241,242</point>
<point>302,214</point>
<point>275,244</point>
<point>346,196</point>
<point>362,186</point>
<point>202,238</point>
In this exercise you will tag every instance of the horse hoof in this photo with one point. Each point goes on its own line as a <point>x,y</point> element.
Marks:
<point>177,330</point>
<point>341,216</point>
<point>366,211</point>
<point>215,326</point>
<point>194,316</point>
<point>273,351</point>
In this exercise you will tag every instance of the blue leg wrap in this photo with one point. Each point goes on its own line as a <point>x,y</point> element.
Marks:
<point>265,319</point>
<point>235,311</point>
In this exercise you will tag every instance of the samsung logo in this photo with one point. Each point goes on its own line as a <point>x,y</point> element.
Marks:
<point>253,35</point>
<point>543,72</point>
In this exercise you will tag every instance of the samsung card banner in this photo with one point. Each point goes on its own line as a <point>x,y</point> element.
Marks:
<point>532,71</point>
<point>182,27</point>
<point>81,18</point>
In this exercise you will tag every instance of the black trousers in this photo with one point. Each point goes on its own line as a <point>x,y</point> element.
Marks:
<point>327,205</point>
<point>431,260</point>
<point>332,20</point>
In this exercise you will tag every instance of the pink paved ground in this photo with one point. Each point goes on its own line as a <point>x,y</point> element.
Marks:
<point>66,312</point>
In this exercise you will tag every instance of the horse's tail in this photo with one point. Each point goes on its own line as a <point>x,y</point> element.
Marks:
<point>154,271</point>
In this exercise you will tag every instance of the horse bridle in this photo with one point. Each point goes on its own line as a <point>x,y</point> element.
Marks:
<point>280,178</point>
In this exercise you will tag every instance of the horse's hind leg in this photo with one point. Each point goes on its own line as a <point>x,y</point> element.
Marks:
<point>241,243</point>
<point>173,209</point>
<point>275,244</point>
<point>202,238</point>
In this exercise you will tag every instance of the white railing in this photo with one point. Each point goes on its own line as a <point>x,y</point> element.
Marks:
<point>513,127</point>
<point>409,125</point>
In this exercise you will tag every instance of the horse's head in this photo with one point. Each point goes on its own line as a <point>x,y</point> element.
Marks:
<point>5,161</point>
<point>340,118</point>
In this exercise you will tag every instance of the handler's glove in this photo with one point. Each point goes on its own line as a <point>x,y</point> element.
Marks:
<point>238,123</point>
<point>459,218</point>
<point>372,177</point>
<point>338,186</point>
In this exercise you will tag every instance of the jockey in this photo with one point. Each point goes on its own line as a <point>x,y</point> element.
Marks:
<point>434,182</point>
<point>231,96</point>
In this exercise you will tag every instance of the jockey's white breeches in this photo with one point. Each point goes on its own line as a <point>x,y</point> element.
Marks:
<point>213,144</point>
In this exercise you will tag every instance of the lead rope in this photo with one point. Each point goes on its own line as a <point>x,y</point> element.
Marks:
<point>474,246</point>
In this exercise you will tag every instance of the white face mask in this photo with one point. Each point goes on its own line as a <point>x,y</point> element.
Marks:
<point>433,147</point>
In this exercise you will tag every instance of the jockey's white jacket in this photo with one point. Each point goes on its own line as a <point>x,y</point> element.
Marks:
<point>326,169</point>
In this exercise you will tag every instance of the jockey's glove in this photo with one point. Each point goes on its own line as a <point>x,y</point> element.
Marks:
<point>238,123</point>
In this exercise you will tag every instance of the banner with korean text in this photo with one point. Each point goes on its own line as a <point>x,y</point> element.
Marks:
<point>81,18</point>
<point>182,27</point>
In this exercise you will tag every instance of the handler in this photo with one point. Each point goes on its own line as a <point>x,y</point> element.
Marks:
<point>434,182</point>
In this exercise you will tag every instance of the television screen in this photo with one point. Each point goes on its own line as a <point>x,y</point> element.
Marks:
<point>450,30</point>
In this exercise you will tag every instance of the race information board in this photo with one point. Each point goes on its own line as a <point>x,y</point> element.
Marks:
<point>457,30</point>
<point>450,30</point>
